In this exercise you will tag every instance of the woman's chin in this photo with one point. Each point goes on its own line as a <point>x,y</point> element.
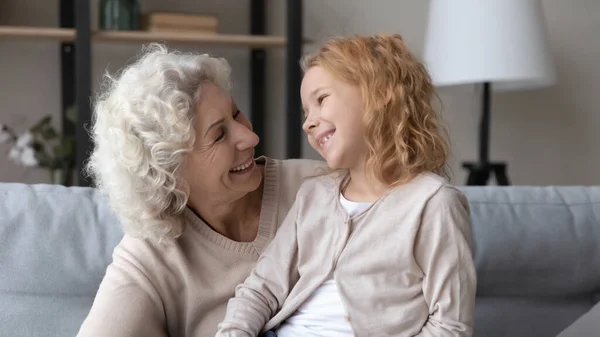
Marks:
<point>249,180</point>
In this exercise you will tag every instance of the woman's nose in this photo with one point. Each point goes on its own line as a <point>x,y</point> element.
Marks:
<point>245,137</point>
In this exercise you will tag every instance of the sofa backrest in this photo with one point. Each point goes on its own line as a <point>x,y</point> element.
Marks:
<point>55,244</point>
<point>537,254</point>
<point>536,251</point>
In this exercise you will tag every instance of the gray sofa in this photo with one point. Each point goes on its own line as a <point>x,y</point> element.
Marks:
<point>536,248</point>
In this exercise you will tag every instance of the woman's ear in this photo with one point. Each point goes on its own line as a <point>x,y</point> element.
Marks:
<point>181,185</point>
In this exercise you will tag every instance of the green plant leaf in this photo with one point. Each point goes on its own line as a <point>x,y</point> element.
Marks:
<point>37,146</point>
<point>41,123</point>
<point>58,151</point>
<point>48,132</point>
<point>44,160</point>
<point>68,146</point>
<point>71,114</point>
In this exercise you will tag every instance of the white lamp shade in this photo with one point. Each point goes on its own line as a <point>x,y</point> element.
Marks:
<point>498,41</point>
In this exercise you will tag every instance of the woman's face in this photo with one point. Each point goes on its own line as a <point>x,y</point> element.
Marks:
<point>221,166</point>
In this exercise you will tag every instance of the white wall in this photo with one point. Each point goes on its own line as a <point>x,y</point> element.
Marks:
<point>547,136</point>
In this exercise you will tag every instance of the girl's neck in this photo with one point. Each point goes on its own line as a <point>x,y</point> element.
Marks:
<point>363,188</point>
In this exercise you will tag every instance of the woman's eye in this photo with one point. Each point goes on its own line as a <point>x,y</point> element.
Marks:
<point>236,114</point>
<point>221,136</point>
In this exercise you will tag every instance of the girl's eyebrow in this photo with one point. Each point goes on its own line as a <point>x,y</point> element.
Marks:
<point>316,91</point>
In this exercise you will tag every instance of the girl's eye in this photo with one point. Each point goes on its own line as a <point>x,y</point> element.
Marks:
<point>236,114</point>
<point>321,98</point>
<point>221,136</point>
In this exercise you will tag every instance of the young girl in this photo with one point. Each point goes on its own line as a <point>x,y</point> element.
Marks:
<point>381,246</point>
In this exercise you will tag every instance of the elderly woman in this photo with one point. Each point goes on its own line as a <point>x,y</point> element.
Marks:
<point>175,157</point>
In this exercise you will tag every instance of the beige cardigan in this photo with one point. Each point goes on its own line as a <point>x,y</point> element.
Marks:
<point>403,267</point>
<point>180,288</point>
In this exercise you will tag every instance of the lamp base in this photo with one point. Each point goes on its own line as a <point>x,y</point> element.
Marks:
<point>479,173</point>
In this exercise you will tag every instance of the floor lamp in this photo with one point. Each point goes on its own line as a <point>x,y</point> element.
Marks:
<point>498,44</point>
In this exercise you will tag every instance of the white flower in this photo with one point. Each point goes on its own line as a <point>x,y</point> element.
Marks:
<point>28,157</point>
<point>5,136</point>
<point>25,140</point>
<point>15,155</point>
<point>23,156</point>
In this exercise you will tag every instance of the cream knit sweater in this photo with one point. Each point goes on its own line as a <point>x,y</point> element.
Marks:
<point>180,288</point>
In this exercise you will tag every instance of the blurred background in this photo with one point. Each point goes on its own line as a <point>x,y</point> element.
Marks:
<point>546,136</point>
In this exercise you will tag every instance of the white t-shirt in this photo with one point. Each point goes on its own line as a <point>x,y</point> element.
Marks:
<point>323,313</point>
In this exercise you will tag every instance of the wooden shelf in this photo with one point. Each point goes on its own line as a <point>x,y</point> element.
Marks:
<point>68,35</point>
<point>215,39</point>
<point>37,33</point>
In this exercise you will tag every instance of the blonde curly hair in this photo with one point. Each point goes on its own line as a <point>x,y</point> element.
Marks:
<point>143,130</point>
<point>404,133</point>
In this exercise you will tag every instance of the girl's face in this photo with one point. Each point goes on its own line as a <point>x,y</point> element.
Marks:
<point>334,119</point>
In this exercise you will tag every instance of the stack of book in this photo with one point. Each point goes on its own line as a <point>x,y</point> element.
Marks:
<point>180,22</point>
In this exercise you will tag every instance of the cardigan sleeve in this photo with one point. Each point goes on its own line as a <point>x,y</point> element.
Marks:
<point>444,254</point>
<point>262,294</point>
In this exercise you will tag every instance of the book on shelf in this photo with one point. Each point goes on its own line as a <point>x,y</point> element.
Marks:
<point>180,22</point>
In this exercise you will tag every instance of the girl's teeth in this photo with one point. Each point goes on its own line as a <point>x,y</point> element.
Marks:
<point>325,139</point>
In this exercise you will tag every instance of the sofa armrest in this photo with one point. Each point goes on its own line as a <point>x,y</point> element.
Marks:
<point>586,326</point>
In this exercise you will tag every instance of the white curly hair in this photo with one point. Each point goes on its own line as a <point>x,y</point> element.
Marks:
<point>143,130</point>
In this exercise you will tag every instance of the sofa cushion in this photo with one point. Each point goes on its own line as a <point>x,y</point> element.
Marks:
<point>520,316</point>
<point>55,244</point>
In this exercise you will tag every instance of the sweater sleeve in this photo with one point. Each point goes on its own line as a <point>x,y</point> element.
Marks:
<point>262,294</point>
<point>443,252</point>
<point>126,304</point>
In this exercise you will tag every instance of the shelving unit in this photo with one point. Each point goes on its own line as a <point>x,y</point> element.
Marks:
<point>76,38</point>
